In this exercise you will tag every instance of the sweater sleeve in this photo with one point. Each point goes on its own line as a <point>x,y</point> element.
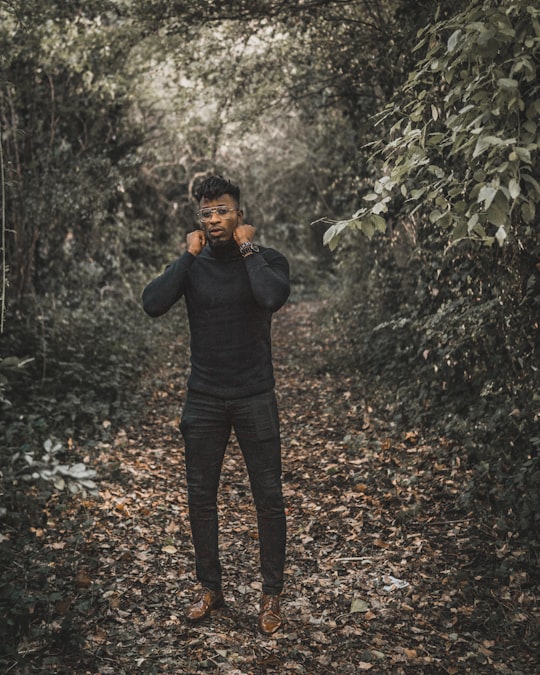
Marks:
<point>269,278</point>
<point>161,293</point>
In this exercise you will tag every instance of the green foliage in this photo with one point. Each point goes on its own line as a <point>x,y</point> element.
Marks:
<point>85,351</point>
<point>448,341</point>
<point>449,335</point>
<point>9,365</point>
<point>66,150</point>
<point>465,146</point>
<point>77,478</point>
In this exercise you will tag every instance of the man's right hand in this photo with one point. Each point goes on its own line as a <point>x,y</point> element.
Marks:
<point>196,241</point>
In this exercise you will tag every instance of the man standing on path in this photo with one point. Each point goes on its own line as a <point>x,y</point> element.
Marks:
<point>231,288</point>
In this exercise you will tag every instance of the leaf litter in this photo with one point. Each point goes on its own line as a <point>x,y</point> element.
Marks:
<point>386,573</point>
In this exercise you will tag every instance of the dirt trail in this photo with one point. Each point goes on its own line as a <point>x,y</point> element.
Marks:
<point>385,572</point>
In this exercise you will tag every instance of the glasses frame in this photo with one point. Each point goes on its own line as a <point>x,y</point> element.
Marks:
<point>213,209</point>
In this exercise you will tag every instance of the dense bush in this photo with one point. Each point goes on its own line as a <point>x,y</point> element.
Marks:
<point>448,342</point>
<point>448,329</point>
<point>85,351</point>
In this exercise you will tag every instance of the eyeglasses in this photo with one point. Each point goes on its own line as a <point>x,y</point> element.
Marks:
<point>206,214</point>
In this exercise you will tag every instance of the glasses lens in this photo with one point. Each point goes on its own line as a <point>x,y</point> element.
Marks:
<point>206,214</point>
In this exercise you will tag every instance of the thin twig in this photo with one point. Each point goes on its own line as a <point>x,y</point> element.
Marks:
<point>353,559</point>
<point>443,522</point>
<point>3,244</point>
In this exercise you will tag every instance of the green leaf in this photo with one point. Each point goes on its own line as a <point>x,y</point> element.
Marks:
<point>485,142</point>
<point>487,195</point>
<point>453,40</point>
<point>379,222</point>
<point>472,222</point>
<point>416,194</point>
<point>359,606</point>
<point>532,181</point>
<point>501,235</point>
<point>523,154</point>
<point>498,211</point>
<point>330,237</point>
<point>514,189</point>
<point>479,231</point>
<point>459,231</point>
<point>507,83</point>
<point>435,139</point>
<point>59,483</point>
<point>528,210</point>
<point>380,208</point>
<point>368,228</point>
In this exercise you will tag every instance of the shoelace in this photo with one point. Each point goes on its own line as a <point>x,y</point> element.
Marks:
<point>271,604</point>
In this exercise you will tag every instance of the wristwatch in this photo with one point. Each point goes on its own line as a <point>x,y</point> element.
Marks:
<point>247,248</point>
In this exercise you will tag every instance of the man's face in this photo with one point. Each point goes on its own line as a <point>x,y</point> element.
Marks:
<point>219,228</point>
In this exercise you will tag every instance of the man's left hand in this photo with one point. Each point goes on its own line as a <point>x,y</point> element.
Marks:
<point>244,233</point>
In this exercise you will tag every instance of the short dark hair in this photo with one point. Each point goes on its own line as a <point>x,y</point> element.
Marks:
<point>215,186</point>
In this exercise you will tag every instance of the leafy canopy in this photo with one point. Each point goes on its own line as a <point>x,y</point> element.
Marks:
<point>465,144</point>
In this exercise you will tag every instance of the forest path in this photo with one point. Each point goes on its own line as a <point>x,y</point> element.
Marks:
<point>385,573</point>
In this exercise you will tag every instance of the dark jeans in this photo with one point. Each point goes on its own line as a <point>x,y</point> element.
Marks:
<point>206,427</point>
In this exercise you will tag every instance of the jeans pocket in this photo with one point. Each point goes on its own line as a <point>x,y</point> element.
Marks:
<point>265,417</point>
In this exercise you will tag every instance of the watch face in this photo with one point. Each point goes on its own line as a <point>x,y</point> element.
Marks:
<point>248,247</point>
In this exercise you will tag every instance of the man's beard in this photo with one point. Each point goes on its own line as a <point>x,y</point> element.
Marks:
<point>221,244</point>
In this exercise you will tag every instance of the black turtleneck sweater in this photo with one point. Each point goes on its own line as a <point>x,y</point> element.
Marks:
<point>230,301</point>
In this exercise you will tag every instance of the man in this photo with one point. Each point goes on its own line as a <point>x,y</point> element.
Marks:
<point>231,288</point>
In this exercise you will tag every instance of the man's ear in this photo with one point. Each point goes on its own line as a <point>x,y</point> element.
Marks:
<point>240,217</point>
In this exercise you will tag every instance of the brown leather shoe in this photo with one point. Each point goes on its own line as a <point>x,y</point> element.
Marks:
<point>269,614</point>
<point>203,603</point>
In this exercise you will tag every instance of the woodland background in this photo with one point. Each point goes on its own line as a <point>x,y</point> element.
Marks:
<point>389,149</point>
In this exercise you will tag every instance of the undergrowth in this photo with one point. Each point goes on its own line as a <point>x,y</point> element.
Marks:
<point>448,343</point>
<point>73,365</point>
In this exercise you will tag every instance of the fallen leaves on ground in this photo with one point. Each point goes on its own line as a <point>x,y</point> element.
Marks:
<point>386,573</point>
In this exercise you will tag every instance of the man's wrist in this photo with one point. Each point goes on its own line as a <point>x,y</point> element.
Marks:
<point>248,248</point>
